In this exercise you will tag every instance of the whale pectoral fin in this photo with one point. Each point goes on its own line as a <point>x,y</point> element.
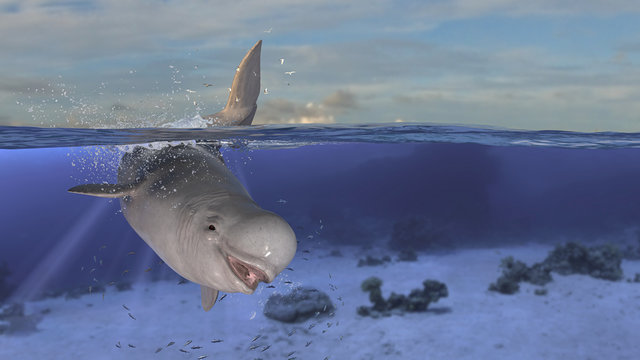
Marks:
<point>208,296</point>
<point>103,190</point>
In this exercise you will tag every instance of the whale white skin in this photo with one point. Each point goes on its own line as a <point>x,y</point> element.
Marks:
<point>183,190</point>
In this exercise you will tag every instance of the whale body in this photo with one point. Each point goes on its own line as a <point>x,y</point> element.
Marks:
<point>195,214</point>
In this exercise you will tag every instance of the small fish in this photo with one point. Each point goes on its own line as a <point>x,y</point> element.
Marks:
<point>256,338</point>
<point>290,72</point>
<point>103,295</point>
<point>131,253</point>
<point>312,326</point>
<point>202,357</point>
<point>118,345</point>
<point>291,332</point>
<point>306,251</point>
<point>271,287</point>
<point>90,288</point>
<point>282,201</point>
<point>291,353</point>
<point>125,307</point>
<point>170,343</point>
<point>182,281</point>
<point>288,282</point>
<point>196,347</point>
<point>215,341</point>
<point>82,269</point>
<point>158,350</point>
<point>266,91</point>
<point>94,259</point>
<point>132,346</point>
<point>102,247</point>
<point>308,343</point>
<point>310,237</point>
<point>189,91</point>
<point>290,269</point>
<point>111,283</point>
<point>281,61</point>
<point>92,270</point>
<point>265,348</point>
<point>131,316</point>
<point>222,297</point>
<point>187,343</point>
<point>326,358</point>
<point>124,272</point>
<point>207,84</point>
<point>184,351</point>
<point>268,31</point>
<point>147,270</point>
<point>253,347</point>
<point>305,259</point>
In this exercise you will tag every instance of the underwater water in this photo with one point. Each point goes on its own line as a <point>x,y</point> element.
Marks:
<point>402,203</point>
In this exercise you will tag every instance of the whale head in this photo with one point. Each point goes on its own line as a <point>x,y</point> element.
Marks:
<point>236,245</point>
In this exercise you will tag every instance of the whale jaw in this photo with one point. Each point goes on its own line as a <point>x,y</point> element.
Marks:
<point>250,275</point>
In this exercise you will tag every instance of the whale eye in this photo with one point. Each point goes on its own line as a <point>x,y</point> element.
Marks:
<point>212,228</point>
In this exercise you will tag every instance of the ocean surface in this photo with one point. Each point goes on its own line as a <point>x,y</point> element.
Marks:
<point>459,198</point>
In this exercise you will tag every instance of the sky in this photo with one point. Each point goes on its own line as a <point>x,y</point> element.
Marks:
<point>563,64</point>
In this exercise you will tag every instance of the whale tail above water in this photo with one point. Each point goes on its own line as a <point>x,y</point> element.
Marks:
<point>241,105</point>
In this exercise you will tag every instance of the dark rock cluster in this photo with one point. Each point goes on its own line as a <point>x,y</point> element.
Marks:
<point>371,261</point>
<point>602,262</point>
<point>407,255</point>
<point>418,299</point>
<point>514,272</point>
<point>299,305</point>
<point>14,321</point>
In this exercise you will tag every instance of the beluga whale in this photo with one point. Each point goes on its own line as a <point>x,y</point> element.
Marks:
<point>195,214</point>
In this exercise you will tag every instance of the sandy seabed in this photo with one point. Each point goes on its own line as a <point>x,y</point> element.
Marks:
<point>580,318</point>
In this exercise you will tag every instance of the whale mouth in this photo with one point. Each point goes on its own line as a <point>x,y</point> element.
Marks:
<point>248,274</point>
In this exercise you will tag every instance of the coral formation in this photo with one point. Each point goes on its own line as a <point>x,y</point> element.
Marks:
<point>418,300</point>
<point>299,305</point>
<point>602,262</point>
<point>371,261</point>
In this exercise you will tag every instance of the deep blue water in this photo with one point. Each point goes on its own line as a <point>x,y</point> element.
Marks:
<point>481,187</point>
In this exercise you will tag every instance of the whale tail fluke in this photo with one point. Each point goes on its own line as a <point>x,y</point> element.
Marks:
<point>242,103</point>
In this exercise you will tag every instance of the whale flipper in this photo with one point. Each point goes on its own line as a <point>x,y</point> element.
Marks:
<point>104,190</point>
<point>241,105</point>
<point>208,297</point>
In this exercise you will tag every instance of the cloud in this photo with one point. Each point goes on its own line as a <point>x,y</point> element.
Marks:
<point>281,111</point>
<point>341,100</point>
